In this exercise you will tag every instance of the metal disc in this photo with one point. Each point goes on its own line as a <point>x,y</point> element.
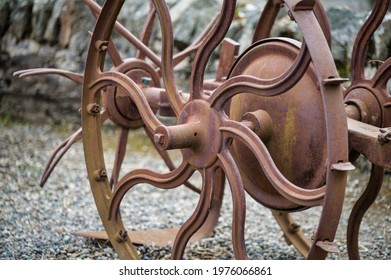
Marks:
<point>297,143</point>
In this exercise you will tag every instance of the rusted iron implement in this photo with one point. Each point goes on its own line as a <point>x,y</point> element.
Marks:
<point>277,122</point>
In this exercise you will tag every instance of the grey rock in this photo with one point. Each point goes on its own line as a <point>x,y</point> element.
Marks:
<point>42,11</point>
<point>4,16</point>
<point>20,18</point>
<point>344,24</point>
<point>52,30</point>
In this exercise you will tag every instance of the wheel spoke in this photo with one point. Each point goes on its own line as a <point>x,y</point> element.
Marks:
<point>197,219</point>
<point>290,191</point>
<point>263,87</point>
<point>292,232</point>
<point>169,180</point>
<point>238,203</point>
<point>207,47</point>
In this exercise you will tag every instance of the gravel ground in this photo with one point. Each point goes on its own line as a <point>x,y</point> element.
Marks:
<point>36,223</point>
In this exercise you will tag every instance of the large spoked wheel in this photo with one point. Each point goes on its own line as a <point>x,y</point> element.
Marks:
<point>122,109</point>
<point>370,98</point>
<point>204,133</point>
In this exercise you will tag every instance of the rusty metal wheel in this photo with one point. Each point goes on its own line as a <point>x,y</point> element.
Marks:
<point>207,137</point>
<point>116,106</point>
<point>368,102</point>
<point>290,227</point>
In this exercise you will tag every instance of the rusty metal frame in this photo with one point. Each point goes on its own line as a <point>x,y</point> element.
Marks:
<point>215,116</point>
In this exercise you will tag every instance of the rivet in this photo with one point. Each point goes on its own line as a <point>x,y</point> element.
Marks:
<point>101,46</point>
<point>100,175</point>
<point>93,109</point>
<point>121,236</point>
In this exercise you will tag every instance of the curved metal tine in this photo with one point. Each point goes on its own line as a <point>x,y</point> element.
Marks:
<point>62,149</point>
<point>165,181</point>
<point>77,78</point>
<point>228,164</point>
<point>363,37</point>
<point>57,155</point>
<point>197,219</point>
<point>96,9</point>
<point>119,155</point>
<point>167,160</point>
<point>360,208</point>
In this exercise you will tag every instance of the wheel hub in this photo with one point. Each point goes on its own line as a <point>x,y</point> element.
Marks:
<point>197,134</point>
<point>122,109</point>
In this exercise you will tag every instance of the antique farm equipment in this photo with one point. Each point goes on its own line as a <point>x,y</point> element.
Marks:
<point>277,122</point>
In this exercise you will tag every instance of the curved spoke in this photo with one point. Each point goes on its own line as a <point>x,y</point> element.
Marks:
<point>197,219</point>
<point>134,92</point>
<point>119,155</point>
<point>362,40</point>
<point>360,208</point>
<point>382,75</point>
<point>208,46</point>
<point>281,184</point>
<point>167,67</point>
<point>238,202</point>
<point>169,180</point>
<point>263,87</point>
<point>77,78</point>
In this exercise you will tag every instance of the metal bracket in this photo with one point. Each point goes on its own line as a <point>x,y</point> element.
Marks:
<point>385,135</point>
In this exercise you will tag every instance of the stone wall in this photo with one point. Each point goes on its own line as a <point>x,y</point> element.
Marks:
<point>54,33</point>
